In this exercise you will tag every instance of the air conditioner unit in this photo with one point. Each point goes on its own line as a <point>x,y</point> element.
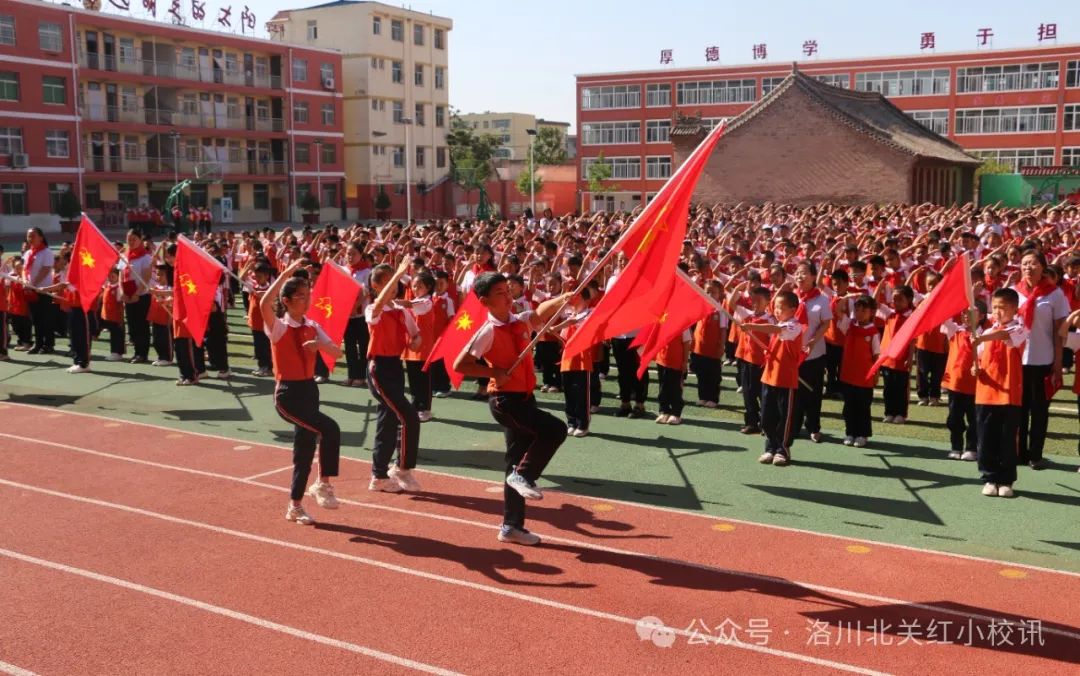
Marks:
<point>20,161</point>
<point>328,83</point>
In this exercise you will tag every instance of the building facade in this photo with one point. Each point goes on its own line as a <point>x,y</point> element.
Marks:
<point>1017,106</point>
<point>396,85</point>
<point>120,109</point>
<point>512,130</point>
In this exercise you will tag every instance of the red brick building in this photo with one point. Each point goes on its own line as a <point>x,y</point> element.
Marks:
<point>118,109</point>
<point>1018,106</point>
<point>808,142</point>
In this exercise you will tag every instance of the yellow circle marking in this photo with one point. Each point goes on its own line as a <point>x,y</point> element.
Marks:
<point>858,549</point>
<point>1012,574</point>
<point>112,424</point>
<point>242,448</point>
<point>174,436</point>
<point>723,527</point>
<point>55,415</point>
<point>603,508</point>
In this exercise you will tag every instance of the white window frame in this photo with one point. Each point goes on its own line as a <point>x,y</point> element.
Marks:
<point>655,166</point>
<point>1013,77</point>
<point>440,77</point>
<point>376,25</point>
<point>11,141</point>
<point>397,111</point>
<point>397,72</point>
<point>440,116</point>
<point>312,30</point>
<point>299,69</point>
<point>126,51</point>
<point>50,86</point>
<point>622,168</point>
<point>982,121</point>
<point>439,38</point>
<point>398,156</point>
<point>1070,156</point>
<point>610,97</point>
<point>1071,117</point>
<point>1072,74</point>
<point>51,36</point>
<point>418,34</point>
<point>657,131</point>
<point>130,145</point>
<point>611,133</point>
<point>300,112</point>
<point>936,121</point>
<point>841,80</point>
<point>418,74</point>
<point>397,30</point>
<point>7,30</point>
<point>658,95</point>
<point>898,83</point>
<point>709,92</point>
<point>1042,157</point>
<point>57,144</point>
<point>327,111</point>
<point>769,83</point>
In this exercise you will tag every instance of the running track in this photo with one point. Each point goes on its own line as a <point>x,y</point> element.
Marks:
<point>131,548</point>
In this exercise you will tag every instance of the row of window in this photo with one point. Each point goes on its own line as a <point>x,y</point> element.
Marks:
<point>14,202</point>
<point>397,32</point>
<point>657,167</point>
<point>301,113</point>
<point>300,70</point>
<point>50,35</point>
<point>53,88</point>
<point>419,118</point>
<point>397,155</point>
<point>397,72</point>
<point>890,83</point>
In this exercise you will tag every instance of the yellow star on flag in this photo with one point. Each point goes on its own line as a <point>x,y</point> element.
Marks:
<point>86,259</point>
<point>190,287</point>
<point>464,322</point>
<point>663,318</point>
<point>326,305</point>
<point>660,225</point>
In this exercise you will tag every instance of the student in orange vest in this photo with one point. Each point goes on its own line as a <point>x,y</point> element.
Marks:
<point>780,377</point>
<point>706,350</point>
<point>397,424</point>
<point>422,307</point>
<point>19,309</point>
<point>576,370</point>
<point>1071,340</point>
<point>930,358</point>
<point>959,382</point>
<point>862,345</point>
<point>79,327</point>
<point>999,391</point>
<point>444,311</point>
<point>295,344</point>
<point>896,373</point>
<point>671,364</point>
<point>158,316</point>
<point>841,308</point>
<point>259,283</point>
<point>112,316</point>
<point>532,434</point>
<point>750,354</point>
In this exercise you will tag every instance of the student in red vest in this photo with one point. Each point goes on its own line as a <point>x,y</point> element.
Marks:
<point>422,307</point>
<point>959,382</point>
<point>780,377</point>
<point>896,373</point>
<point>4,338</point>
<point>814,313</point>
<point>295,344</point>
<point>576,370</point>
<point>112,316</point>
<point>999,392</point>
<point>259,283</point>
<point>158,316</point>
<point>19,309</point>
<point>840,307</point>
<point>532,434</point>
<point>930,358</point>
<point>548,347</point>
<point>671,363</point>
<point>444,312</point>
<point>397,424</point>
<point>1071,340</point>
<point>79,327</point>
<point>706,350</point>
<point>750,354</point>
<point>862,345</point>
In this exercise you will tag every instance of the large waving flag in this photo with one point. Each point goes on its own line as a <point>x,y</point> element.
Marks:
<point>457,335</point>
<point>332,301</point>
<point>653,243</point>
<point>951,296</point>
<point>681,309</point>
<point>197,276</point>
<point>91,260</point>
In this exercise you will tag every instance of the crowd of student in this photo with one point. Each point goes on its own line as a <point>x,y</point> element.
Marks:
<point>808,298</point>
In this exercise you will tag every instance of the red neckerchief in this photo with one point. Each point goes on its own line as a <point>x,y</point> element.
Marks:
<point>990,283</point>
<point>1045,287</point>
<point>137,252</point>
<point>364,265</point>
<point>34,251</point>
<point>486,267</point>
<point>801,313</point>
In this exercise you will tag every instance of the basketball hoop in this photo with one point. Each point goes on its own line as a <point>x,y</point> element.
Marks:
<point>208,172</point>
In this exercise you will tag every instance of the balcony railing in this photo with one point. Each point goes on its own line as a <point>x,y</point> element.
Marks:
<point>175,118</point>
<point>178,70</point>
<point>169,166</point>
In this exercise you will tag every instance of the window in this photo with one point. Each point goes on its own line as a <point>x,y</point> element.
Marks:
<point>312,31</point>
<point>128,193</point>
<point>376,25</point>
<point>262,68</point>
<point>620,96</point>
<point>397,30</point>
<point>418,117</point>
<point>10,141</point>
<point>716,91</point>
<point>418,75</point>
<point>440,158</point>
<point>838,80</point>
<point>418,34</point>
<point>53,89</point>
<point>1018,157</point>
<point>395,72</point>
<point>260,196</point>
<point>399,156</point>
<point>1006,120</point>
<point>326,71</point>
<point>657,167</point>
<point>621,167</point>
<point>770,83</point>
<point>656,131</point>
<point>303,153</point>
<point>905,82</point>
<point>92,194</point>
<point>1072,117</point>
<point>419,156</point>
<point>1070,157</point>
<point>329,195</point>
<point>7,30</point>
<point>127,51</point>
<point>302,189</point>
<point>327,114</point>
<point>236,154</point>
<point>329,153</point>
<point>56,191</point>
<point>440,77</point>
<point>56,144</point>
<point>399,111</point>
<point>1007,78</point>
<point>1072,74</point>
<point>299,70</point>
<point>500,124</point>
<point>129,100</point>
<point>604,133</point>
<point>13,199</point>
<point>440,116</point>
<point>50,36</point>
<point>131,147</point>
<point>936,121</point>
<point>439,39</point>
<point>232,190</point>
<point>300,113</point>
<point>657,95</point>
<point>9,86</point>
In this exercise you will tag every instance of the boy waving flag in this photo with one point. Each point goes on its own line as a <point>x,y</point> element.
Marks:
<point>91,259</point>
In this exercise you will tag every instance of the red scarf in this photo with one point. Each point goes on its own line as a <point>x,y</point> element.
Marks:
<point>486,267</point>
<point>137,252</point>
<point>990,282</point>
<point>1044,288</point>
<point>364,265</point>
<point>28,268</point>
<point>801,313</point>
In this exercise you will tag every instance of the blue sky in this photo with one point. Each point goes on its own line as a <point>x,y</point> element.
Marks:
<point>522,56</point>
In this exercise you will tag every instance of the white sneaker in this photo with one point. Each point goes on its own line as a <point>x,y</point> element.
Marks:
<point>424,416</point>
<point>162,362</point>
<point>320,379</point>
<point>384,485</point>
<point>738,390</point>
<point>663,418</point>
<point>860,442</point>
<point>817,437</point>
<point>848,441</point>
<point>888,419</point>
<point>580,433</point>
<point>518,536</point>
<point>438,395</point>
<point>405,479</point>
<point>990,490</point>
<point>779,460</point>
<point>766,458</point>
<point>524,487</point>
<point>954,455</point>
<point>969,456</point>
<point>184,382</point>
<point>78,369</point>
<point>323,494</point>
<point>115,357</point>
<point>674,420</point>
<point>570,429</point>
<point>1005,491</point>
<point>899,420</point>
<point>298,515</point>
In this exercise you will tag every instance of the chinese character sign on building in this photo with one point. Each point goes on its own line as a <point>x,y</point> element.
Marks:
<point>665,55</point>
<point>1047,31</point>
<point>927,41</point>
<point>760,51</point>
<point>984,35</point>
<point>809,48</point>
<point>712,53</point>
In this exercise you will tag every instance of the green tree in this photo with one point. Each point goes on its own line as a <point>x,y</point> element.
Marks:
<point>987,168</point>
<point>471,155</point>
<point>549,146</point>
<point>523,181</point>
<point>68,206</point>
<point>600,171</point>
<point>309,202</point>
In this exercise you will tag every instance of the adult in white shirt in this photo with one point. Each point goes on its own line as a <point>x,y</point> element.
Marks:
<point>1042,355</point>
<point>135,284</point>
<point>37,271</point>
<point>815,313</point>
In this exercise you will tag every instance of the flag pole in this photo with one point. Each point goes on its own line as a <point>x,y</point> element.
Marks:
<point>27,285</point>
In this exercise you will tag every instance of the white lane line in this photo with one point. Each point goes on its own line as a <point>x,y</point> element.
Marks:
<point>375,563</point>
<point>6,668</point>
<point>638,505</point>
<point>231,614</point>
<point>262,474</point>
<point>835,591</point>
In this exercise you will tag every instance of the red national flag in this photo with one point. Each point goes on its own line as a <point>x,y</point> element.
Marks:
<point>679,310</point>
<point>197,275</point>
<point>91,260</point>
<point>332,301</point>
<point>468,320</point>
<point>653,244</point>
<point>951,296</point>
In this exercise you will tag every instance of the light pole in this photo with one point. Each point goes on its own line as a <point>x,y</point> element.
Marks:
<point>318,173</point>
<point>175,136</point>
<point>532,176</point>
<point>407,121</point>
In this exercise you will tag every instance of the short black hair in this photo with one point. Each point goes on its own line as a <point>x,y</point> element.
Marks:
<point>789,299</point>
<point>486,281</point>
<point>866,301</point>
<point>1009,296</point>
